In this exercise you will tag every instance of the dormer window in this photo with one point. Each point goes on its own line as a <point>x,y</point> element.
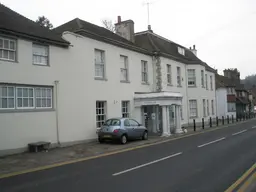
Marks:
<point>181,51</point>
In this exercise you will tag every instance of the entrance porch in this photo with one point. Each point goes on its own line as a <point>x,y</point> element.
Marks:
<point>160,112</point>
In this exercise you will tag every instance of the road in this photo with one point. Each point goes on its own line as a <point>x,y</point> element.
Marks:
<point>210,162</point>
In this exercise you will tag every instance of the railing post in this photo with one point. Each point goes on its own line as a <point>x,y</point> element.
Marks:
<point>210,121</point>
<point>217,121</point>
<point>194,122</point>
<point>222,120</point>
<point>228,119</point>
<point>203,123</point>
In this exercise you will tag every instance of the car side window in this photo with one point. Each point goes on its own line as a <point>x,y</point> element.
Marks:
<point>126,122</point>
<point>133,122</point>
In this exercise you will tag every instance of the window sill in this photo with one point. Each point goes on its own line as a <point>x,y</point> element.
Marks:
<point>168,84</point>
<point>5,60</point>
<point>123,81</point>
<point>100,78</point>
<point>41,65</point>
<point>145,83</point>
<point>25,110</point>
<point>192,86</point>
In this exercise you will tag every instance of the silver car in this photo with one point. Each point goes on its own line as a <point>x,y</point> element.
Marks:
<point>122,129</point>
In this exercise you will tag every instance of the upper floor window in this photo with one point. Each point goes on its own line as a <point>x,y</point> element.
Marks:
<point>191,77</point>
<point>124,68</point>
<point>181,51</point>
<point>169,74</point>
<point>206,81</point>
<point>99,63</point>
<point>144,71</point>
<point>7,49</point>
<point>40,54</point>
<point>202,78</point>
<point>192,108</point>
<point>211,85</point>
<point>178,76</point>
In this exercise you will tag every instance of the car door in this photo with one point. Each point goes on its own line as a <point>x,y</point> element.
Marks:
<point>129,129</point>
<point>135,127</point>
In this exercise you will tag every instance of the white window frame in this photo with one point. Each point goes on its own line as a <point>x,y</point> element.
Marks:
<point>211,84</point>
<point>43,97</point>
<point>99,65</point>
<point>208,109</point>
<point>46,56</point>
<point>206,81</point>
<point>193,112</point>
<point>191,81</point>
<point>212,102</point>
<point>102,107</point>
<point>3,49</point>
<point>22,97</point>
<point>124,68</point>
<point>181,50</point>
<point>125,109</point>
<point>179,76</point>
<point>204,107</point>
<point>202,78</point>
<point>7,97</point>
<point>169,74</point>
<point>144,71</point>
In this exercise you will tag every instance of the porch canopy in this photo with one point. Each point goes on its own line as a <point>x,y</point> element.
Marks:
<point>157,98</point>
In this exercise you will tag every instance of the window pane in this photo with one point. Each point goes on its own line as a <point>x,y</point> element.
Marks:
<point>31,94</point>
<point>31,104</point>
<point>1,43</point>
<point>38,103</point>
<point>12,45</point>
<point>10,91</point>
<point>48,103</point>
<point>11,103</point>
<point>4,91</point>
<point>1,54</point>
<point>38,92</point>
<point>5,55</point>
<point>25,102</point>
<point>25,92</point>
<point>4,103</point>
<point>19,92</point>
<point>49,93</point>
<point>43,102</point>
<point>19,102</point>
<point>6,44</point>
<point>11,55</point>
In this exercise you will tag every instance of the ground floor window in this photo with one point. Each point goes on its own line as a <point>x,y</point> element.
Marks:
<point>193,108</point>
<point>231,107</point>
<point>25,97</point>
<point>126,109</point>
<point>100,113</point>
<point>212,107</point>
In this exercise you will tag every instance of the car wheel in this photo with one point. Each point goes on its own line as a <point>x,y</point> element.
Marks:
<point>145,135</point>
<point>123,139</point>
<point>100,140</point>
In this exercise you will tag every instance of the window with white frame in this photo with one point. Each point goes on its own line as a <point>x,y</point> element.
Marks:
<point>206,81</point>
<point>124,68</point>
<point>144,71</point>
<point>208,110</point>
<point>178,76</point>
<point>202,78</point>
<point>191,77</point>
<point>101,113</point>
<point>181,51</point>
<point>211,85</point>
<point>22,97</point>
<point>193,108</point>
<point>125,109</point>
<point>99,63</point>
<point>8,49</point>
<point>40,54</point>
<point>169,74</point>
<point>43,97</point>
<point>25,97</point>
<point>7,97</point>
<point>204,108</point>
<point>212,107</point>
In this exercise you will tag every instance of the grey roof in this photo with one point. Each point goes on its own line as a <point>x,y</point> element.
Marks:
<point>222,81</point>
<point>15,24</point>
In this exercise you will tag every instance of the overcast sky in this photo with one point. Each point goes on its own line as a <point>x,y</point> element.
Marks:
<point>224,31</point>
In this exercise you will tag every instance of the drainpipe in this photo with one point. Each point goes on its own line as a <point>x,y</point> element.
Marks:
<point>186,83</point>
<point>57,111</point>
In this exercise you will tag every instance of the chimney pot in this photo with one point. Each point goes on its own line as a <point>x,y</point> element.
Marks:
<point>190,48</point>
<point>119,19</point>
<point>149,27</point>
<point>194,47</point>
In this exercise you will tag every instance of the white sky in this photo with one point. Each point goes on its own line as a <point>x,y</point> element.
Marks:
<point>224,31</point>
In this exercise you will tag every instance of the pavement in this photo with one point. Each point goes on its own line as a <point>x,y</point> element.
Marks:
<point>211,161</point>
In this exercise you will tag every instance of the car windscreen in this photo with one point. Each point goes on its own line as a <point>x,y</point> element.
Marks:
<point>112,122</point>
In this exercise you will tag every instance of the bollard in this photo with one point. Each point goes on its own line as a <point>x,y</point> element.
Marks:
<point>194,122</point>
<point>222,120</point>
<point>210,121</point>
<point>217,121</point>
<point>240,117</point>
<point>228,119</point>
<point>203,123</point>
<point>232,118</point>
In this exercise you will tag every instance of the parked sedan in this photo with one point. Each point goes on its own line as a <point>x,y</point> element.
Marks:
<point>122,129</point>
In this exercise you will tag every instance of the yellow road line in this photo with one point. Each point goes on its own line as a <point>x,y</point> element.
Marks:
<point>109,153</point>
<point>241,179</point>
<point>248,182</point>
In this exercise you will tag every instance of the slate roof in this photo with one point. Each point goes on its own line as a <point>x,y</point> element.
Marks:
<point>222,81</point>
<point>98,33</point>
<point>15,24</point>
<point>167,48</point>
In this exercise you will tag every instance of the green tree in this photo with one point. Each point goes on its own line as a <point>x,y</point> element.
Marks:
<point>43,21</point>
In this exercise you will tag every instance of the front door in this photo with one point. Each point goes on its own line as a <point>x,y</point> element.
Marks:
<point>152,118</point>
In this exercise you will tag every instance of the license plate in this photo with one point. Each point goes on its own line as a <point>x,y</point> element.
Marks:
<point>107,136</point>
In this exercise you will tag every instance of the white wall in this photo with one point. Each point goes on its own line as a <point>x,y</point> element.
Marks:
<point>221,97</point>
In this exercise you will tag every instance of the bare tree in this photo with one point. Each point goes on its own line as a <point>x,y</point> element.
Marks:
<point>108,24</point>
<point>43,21</point>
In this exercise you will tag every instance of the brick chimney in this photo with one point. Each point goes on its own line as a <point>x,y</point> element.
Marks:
<point>194,50</point>
<point>125,29</point>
